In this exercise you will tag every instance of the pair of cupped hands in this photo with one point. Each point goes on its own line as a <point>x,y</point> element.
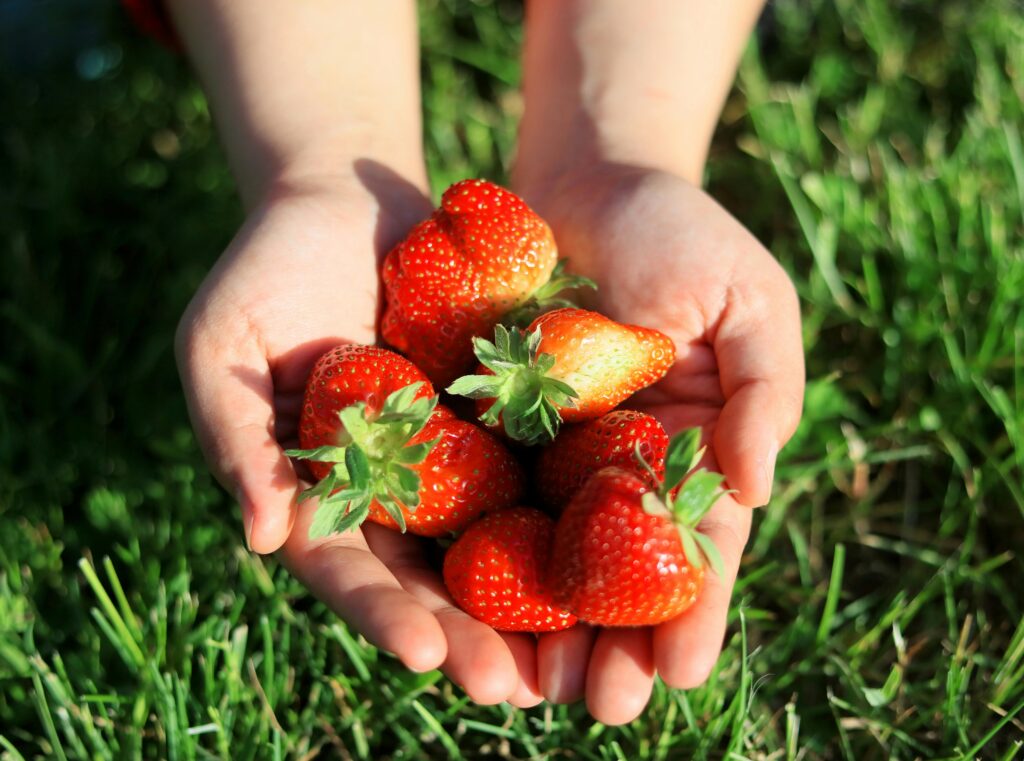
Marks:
<point>301,276</point>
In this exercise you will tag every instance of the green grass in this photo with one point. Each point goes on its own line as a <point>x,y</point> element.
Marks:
<point>875,147</point>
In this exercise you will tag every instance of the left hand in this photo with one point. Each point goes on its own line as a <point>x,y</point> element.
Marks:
<point>299,278</point>
<point>665,255</point>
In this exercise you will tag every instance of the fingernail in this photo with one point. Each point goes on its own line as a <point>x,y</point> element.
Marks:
<point>248,532</point>
<point>418,669</point>
<point>247,518</point>
<point>769,471</point>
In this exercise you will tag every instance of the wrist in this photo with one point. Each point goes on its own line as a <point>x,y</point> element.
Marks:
<point>599,154</point>
<point>573,195</point>
<point>351,167</point>
<point>384,200</point>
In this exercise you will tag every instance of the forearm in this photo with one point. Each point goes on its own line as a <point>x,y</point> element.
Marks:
<point>639,84</point>
<point>303,91</point>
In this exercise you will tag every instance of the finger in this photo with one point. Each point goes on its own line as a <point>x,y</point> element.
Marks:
<point>687,647</point>
<point>692,380</point>
<point>524,650</point>
<point>230,395</point>
<point>343,573</point>
<point>478,658</point>
<point>562,659</point>
<point>621,675</point>
<point>761,368</point>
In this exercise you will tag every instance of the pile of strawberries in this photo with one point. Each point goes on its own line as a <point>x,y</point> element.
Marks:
<point>479,283</point>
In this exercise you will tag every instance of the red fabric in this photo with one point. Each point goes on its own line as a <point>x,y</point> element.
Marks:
<point>150,16</point>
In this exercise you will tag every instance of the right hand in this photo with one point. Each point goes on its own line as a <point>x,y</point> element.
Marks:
<point>299,278</point>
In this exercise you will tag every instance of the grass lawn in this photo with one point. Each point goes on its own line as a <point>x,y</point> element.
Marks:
<point>876,147</point>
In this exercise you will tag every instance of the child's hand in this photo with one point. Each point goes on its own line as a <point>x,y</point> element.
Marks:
<point>667,256</point>
<point>300,277</point>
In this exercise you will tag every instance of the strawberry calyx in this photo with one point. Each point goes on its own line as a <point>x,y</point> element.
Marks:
<point>548,297</point>
<point>526,399</point>
<point>372,461</point>
<point>694,498</point>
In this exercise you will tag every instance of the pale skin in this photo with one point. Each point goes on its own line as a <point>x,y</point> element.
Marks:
<point>319,111</point>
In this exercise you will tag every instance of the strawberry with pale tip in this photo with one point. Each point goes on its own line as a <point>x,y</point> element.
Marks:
<point>570,365</point>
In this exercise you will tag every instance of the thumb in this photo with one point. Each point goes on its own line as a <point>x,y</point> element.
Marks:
<point>761,369</point>
<point>229,390</point>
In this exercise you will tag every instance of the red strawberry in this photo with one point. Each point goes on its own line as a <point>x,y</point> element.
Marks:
<point>384,450</point>
<point>625,555</point>
<point>581,450</point>
<point>571,365</point>
<point>493,571</point>
<point>482,254</point>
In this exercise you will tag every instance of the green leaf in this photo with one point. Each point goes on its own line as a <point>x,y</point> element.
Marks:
<point>531,404</point>
<point>549,419</point>
<point>322,489</point>
<point>408,483</point>
<point>653,505</point>
<point>699,492</point>
<point>394,510</point>
<point>691,548</point>
<point>399,401</point>
<point>492,414</point>
<point>412,420</point>
<point>326,518</point>
<point>560,392</point>
<point>519,351</point>
<point>476,386</point>
<point>711,553</point>
<point>414,454</point>
<point>533,339</point>
<point>319,454</point>
<point>358,466</point>
<point>353,418</point>
<point>503,341</point>
<point>416,413</point>
<point>561,281</point>
<point>684,452</point>
<point>639,457</point>
<point>486,351</point>
<point>358,509</point>
<point>336,514</point>
<point>421,409</point>
<point>531,419</point>
<point>544,363</point>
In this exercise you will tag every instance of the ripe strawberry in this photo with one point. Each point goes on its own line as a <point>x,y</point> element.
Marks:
<point>384,450</point>
<point>481,255</point>
<point>493,571</point>
<point>624,555</point>
<point>581,450</point>
<point>571,365</point>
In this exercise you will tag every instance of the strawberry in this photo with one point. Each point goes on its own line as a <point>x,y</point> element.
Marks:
<point>481,255</point>
<point>571,365</point>
<point>384,450</point>
<point>581,450</point>
<point>625,554</point>
<point>493,571</point>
